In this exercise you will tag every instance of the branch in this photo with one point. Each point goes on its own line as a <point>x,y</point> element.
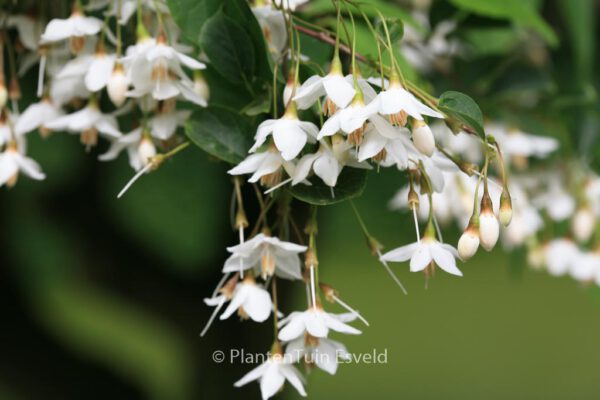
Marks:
<point>325,38</point>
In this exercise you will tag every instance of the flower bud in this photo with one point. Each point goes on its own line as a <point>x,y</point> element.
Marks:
<point>489,228</point>
<point>201,87</point>
<point>146,150</point>
<point>468,242</point>
<point>117,86</point>
<point>583,224</point>
<point>506,210</point>
<point>423,138</point>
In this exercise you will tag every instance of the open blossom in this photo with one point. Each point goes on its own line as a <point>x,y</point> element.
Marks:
<point>290,135</point>
<point>267,255</point>
<point>424,252</point>
<point>387,147</point>
<point>586,267</point>
<point>272,375</point>
<point>560,256</point>
<point>266,167</point>
<point>316,322</point>
<point>77,25</point>
<point>165,122</point>
<point>13,161</point>
<point>248,298</point>
<point>272,22</point>
<point>155,68</point>
<point>140,149</point>
<point>327,163</point>
<point>126,8</point>
<point>36,116</point>
<point>89,121</point>
<point>325,353</point>
<point>99,71</point>
<point>339,93</point>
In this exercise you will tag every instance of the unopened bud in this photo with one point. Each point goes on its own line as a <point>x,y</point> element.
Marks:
<point>201,87</point>
<point>583,224</point>
<point>423,138</point>
<point>468,242</point>
<point>489,228</point>
<point>506,211</point>
<point>117,85</point>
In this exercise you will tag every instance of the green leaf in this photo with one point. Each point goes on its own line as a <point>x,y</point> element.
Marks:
<point>229,48</point>
<point>580,19</point>
<point>492,41</point>
<point>463,108</point>
<point>520,12</point>
<point>260,105</point>
<point>222,133</point>
<point>350,184</point>
<point>190,15</point>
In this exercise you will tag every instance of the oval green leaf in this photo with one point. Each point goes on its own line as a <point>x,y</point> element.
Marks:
<point>461,107</point>
<point>350,184</point>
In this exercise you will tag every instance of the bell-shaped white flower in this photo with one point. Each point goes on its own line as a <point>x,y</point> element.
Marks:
<point>272,375</point>
<point>266,167</point>
<point>324,353</point>
<point>247,298</point>
<point>399,103</point>
<point>267,255</point>
<point>339,93</point>
<point>272,22</point>
<point>89,121</point>
<point>13,161</point>
<point>386,146</point>
<point>99,71</point>
<point>327,163</point>
<point>36,116</point>
<point>140,149</point>
<point>163,124</point>
<point>77,26</point>
<point>316,322</point>
<point>290,135</point>
<point>425,252</point>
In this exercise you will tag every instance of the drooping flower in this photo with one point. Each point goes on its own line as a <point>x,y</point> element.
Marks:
<point>324,353</point>
<point>13,161</point>
<point>139,146</point>
<point>248,298</point>
<point>273,373</point>
<point>36,116</point>
<point>425,252</point>
<point>266,167</point>
<point>268,256</point>
<point>290,135</point>
<point>75,28</point>
<point>560,256</point>
<point>316,322</point>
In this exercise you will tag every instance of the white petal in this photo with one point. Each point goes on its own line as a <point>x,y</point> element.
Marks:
<point>444,259</point>
<point>258,304</point>
<point>327,168</point>
<point>338,90</point>
<point>271,381</point>
<point>421,258</point>
<point>252,375</point>
<point>289,138</point>
<point>400,254</point>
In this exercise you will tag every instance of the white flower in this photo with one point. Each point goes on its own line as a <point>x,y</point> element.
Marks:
<point>316,322</point>
<point>13,161</point>
<point>515,143</point>
<point>423,138</point>
<point>128,7</point>
<point>36,116</point>
<point>164,123</point>
<point>435,166</point>
<point>323,352</point>
<point>272,22</point>
<point>140,149</point>
<point>423,253</point>
<point>290,135</point>
<point>289,4</point>
<point>583,224</point>
<point>266,166</point>
<point>559,204</point>
<point>77,25</point>
<point>272,375</point>
<point>267,255</point>
<point>153,67</point>
<point>99,71</point>
<point>117,85</point>
<point>89,121</point>
<point>398,102</point>
<point>29,29</point>
<point>327,163</point>
<point>387,146</point>
<point>333,85</point>
<point>560,256</point>
<point>248,298</point>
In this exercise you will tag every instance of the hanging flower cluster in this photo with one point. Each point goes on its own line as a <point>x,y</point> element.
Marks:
<point>118,71</point>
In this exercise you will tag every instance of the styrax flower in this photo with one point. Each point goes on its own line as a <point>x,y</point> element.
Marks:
<point>290,135</point>
<point>76,27</point>
<point>316,322</point>
<point>268,256</point>
<point>13,161</point>
<point>139,146</point>
<point>560,256</point>
<point>323,352</point>
<point>266,166</point>
<point>272,375</point>
<point>249,299</point>
<point>36,116</point>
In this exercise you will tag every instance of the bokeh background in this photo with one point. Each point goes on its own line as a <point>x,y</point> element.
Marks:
<point>102,298</point>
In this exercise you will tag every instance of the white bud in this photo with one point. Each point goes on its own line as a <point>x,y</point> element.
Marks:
<point>489,230</point>
<point>468,243</point>
<point>146,150</point>
<point>117,86</point>
<point>201,87</point>
<point>583,224</point>
<point>423,138</point>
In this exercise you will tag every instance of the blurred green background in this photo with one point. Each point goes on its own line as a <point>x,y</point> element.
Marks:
<point>102,298</point>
